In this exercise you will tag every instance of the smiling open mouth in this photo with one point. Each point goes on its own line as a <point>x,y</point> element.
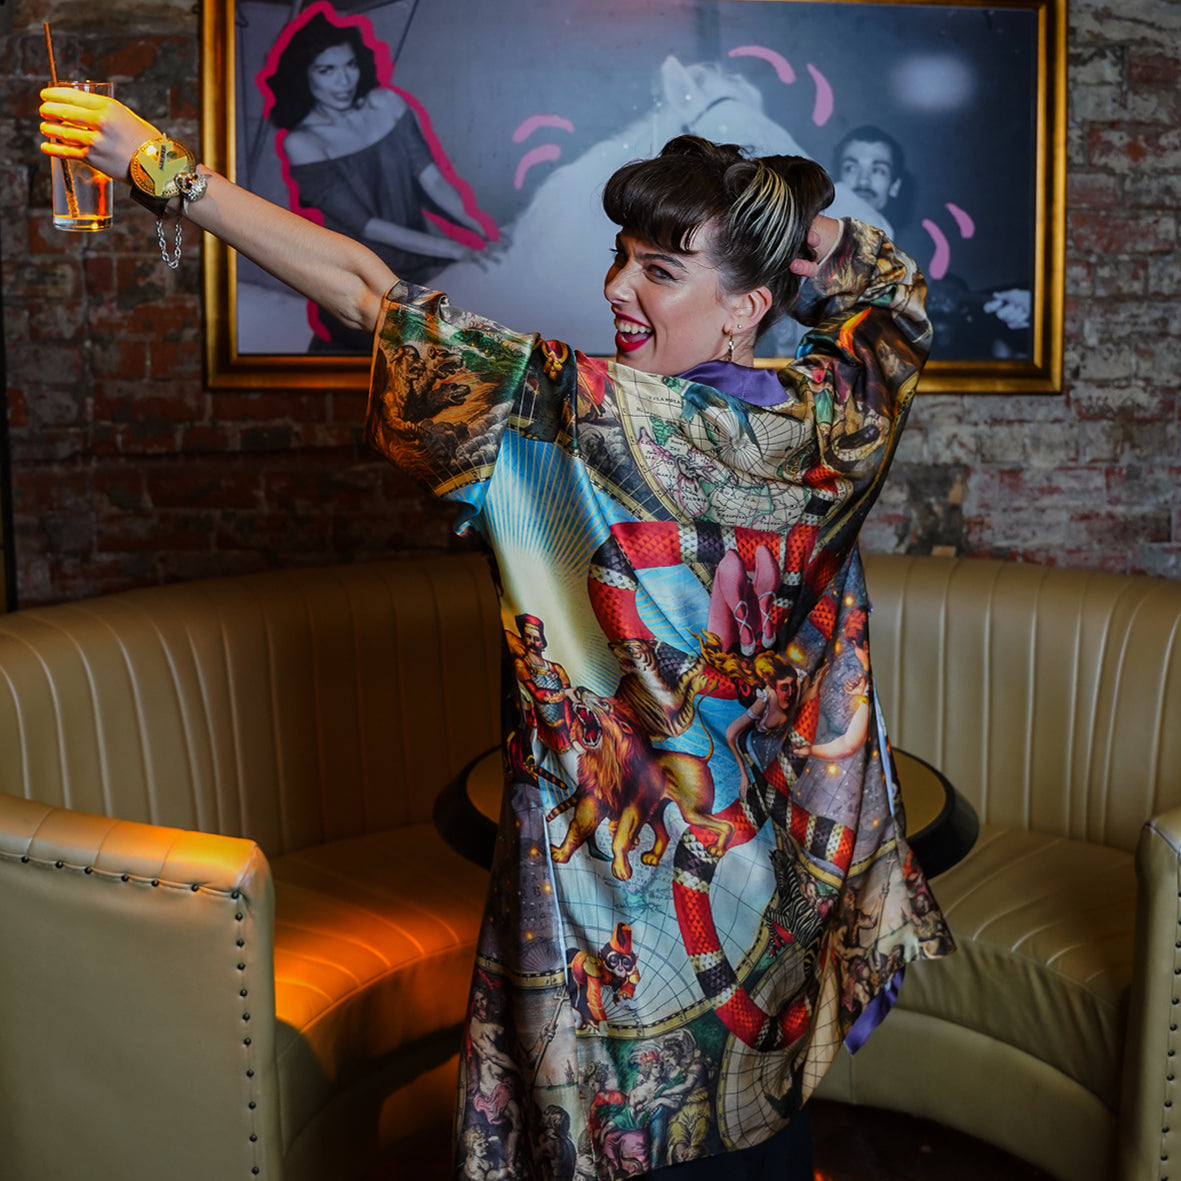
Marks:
<point>630,334</point>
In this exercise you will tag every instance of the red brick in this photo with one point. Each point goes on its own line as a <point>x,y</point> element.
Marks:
<point>68,578</point>
<point>1151,66</point>
<point>1132,487</point>
<point>268,438</point>
<point>47,445</point>
<point>44,239</point>
<point>1117,530</point>
<point>1121,402</point>
<point>397,484</point>
<point>210,437</point>
<point>133,439</point>
<point>345,490</point>
<point>160,531</point>
<point>50,490</point>
<point>1093,190</point>
<point>1107,233</point>
<point>18,412</point>
<point>175,358</point>
<point>128,61</point>
<point>62,321</point>
<point>120,358</point>
<point>44,278</point>
<point>328,436</point>
<point>165,406</point>
<point>202,485</point>
<point>348,406</point>
<point>183,567</point>
<point>1128,148</point>
<point>118,488</point>
<point>275,531</point>
<point>99,270</point>
<point>182,102</point>
<point>133,232</point>
<point>175,318</point>
<point>35,363</point>
<point>270,407</point>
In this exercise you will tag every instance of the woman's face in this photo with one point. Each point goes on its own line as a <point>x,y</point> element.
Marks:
<point>669,311</point>
<point>333,76</point>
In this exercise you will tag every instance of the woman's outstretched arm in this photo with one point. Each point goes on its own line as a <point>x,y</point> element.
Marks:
<point>334,271</point>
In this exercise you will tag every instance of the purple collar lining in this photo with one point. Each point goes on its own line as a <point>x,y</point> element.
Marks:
<point>759,387</point>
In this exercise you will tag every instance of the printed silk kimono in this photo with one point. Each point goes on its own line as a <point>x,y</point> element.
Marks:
<point>700,882</point>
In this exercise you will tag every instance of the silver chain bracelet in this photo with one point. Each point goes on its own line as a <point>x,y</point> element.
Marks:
<point>173,259</point>
<point>192,188</point>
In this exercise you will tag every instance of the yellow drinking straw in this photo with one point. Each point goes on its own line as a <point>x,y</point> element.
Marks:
<point>67,175</point>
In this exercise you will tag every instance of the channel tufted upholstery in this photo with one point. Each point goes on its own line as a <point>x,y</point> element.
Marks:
<point>234,944</point>
<point>1052,700</point>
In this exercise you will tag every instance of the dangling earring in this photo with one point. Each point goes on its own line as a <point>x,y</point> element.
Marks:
<point>730,346</point>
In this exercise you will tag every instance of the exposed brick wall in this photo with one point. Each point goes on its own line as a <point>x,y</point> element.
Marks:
<point>1089,479</point>
<point>126,470</point>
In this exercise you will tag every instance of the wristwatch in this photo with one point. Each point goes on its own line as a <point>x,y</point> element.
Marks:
<point>161,169</point>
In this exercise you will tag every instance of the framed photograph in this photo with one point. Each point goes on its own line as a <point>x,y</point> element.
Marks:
<point>467,141</point>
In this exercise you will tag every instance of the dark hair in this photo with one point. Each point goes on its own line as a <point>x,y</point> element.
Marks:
<point>901,205</point>
<point>760,210</point>
<point>867,133</point>
<point>289,82</point>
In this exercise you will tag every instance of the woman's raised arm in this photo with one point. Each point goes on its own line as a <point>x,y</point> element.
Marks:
<point>334,271</point>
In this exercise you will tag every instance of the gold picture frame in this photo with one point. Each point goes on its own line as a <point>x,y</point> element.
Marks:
<point>1010,162</point>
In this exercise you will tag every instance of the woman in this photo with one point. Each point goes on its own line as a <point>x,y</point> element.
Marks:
<point>358,158</point>
<point>703,975</point>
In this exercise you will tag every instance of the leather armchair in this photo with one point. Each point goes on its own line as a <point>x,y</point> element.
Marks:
<point>234,944</point>
<point>1052,700</point>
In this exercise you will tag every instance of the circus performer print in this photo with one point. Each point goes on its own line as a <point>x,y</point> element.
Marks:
<point>742,613</point>
<point>757,735</point>
<point>643,996</point>
<point>546,694</point>
<point>614,969</point>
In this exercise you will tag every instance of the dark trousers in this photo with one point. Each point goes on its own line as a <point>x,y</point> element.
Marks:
<point>787,1156</point>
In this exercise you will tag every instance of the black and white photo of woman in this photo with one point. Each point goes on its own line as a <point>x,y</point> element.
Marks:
<point>357,159</point>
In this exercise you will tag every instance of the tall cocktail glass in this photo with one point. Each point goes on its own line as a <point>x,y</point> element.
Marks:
<point>82,196</point>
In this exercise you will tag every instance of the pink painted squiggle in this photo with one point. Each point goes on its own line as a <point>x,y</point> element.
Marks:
<point>777,61</point>
<point>528,126</point>
<point>941,258</point>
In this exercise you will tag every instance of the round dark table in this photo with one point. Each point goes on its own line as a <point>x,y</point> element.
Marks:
<point>941,826</point>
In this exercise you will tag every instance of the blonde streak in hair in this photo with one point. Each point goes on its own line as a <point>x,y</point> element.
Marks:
<point>766,212</point>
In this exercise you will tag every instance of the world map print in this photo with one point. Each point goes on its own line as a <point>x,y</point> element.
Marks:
<point>700,883</point>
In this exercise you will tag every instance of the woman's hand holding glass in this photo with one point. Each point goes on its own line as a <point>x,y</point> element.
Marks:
<point>92,127</point>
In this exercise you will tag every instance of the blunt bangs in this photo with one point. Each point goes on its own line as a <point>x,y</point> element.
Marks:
<point>664,200</point>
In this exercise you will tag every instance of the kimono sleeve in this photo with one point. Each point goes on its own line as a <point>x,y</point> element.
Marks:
<point>859,363</point>
<point>443,387</point>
